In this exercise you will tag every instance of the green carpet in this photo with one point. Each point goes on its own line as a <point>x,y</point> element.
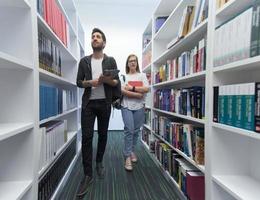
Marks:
<point>145,182</point>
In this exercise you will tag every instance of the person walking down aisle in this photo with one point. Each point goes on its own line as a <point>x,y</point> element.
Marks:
<point>134,88</point>
<point>96,103</point>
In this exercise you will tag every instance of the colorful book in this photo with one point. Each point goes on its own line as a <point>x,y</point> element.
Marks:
<point>135,83</point>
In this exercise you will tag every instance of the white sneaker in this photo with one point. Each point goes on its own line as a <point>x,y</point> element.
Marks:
<point>133,157</point>
<point>128,164</point>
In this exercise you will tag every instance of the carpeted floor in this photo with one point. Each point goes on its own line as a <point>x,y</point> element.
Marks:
<point>145,182</point>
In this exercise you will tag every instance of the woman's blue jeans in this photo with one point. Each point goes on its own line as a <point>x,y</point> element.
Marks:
<point>133,120</point>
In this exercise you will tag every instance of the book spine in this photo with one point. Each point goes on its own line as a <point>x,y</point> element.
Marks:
<point>257,107</point>
<point>215,104</point>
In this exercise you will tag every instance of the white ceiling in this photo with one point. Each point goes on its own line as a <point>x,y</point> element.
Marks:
<point>116,13</point>
<point>117,2</point>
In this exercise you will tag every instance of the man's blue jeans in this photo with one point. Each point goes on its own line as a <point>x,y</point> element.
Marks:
<point>133,120</point>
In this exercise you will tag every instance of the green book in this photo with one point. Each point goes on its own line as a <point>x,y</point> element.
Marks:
<point>238,107</point>
<point>248,102</point>
<point>221,103</point>
<point>230,105</point>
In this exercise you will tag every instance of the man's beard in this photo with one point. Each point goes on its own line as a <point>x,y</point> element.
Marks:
<point>97,48</point>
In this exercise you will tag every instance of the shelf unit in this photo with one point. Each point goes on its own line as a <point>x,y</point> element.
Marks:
<point>160,54</point>
<point>231,160</point>
<point>20,77</point>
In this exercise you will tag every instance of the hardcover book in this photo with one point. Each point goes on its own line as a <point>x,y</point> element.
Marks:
<point>135,83</point>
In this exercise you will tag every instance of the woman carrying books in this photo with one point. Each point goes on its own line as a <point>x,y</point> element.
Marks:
<point>134,87</point>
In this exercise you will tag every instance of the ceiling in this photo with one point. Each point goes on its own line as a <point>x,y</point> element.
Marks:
<point>132,3</point>
<point>116,13</point>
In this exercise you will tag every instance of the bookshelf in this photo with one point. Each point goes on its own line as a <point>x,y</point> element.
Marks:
<point>20,80</point>
<point>160,54</point>
<point>231,161</point>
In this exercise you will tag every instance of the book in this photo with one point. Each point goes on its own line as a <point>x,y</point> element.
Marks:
<point>111,72</point>
<point>135,83</point>
<point>195,185</point>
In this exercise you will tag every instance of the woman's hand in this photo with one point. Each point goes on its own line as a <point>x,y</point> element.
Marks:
<point>128,87</point>
<point>139,95</point>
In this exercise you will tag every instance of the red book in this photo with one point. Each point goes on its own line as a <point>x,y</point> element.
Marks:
<point>135,83</point>
<point>195,185</point>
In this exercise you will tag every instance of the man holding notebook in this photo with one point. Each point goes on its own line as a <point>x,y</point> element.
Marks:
<point>97,73</point>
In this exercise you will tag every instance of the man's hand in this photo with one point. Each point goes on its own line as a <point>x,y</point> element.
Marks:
<point>105,79</point>
<point>95,82</point>
<point>91,83</point>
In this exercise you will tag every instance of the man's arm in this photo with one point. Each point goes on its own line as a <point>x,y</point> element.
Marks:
<point>81,75</point>
<point>81,82</point>
<point>108,80</point>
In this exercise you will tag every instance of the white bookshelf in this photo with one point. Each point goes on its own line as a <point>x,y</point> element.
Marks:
<point>200,167</point>
<point>231,9</point>
<point>160,54</point>
<point>147,127</point>
<point>50,77</point>
<point>44,27</point>
<point>16,189</point>
<point>239,66</point>
<point>147,68</point>
<point>20,78</point>
<point>189,118</point>
<point>190,78</point>
<point>11,129</point>
<point>231,154</point>
<point>240,187</point>
<point>169,29</point>
<point>9,61</point>
<point>165,173</point>
<point>181,45</point>
<point>58,153</point>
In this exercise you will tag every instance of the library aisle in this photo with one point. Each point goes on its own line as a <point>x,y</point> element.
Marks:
<point>146,181</point>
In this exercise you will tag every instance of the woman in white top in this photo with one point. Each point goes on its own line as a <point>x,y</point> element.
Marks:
<point>134,87</point>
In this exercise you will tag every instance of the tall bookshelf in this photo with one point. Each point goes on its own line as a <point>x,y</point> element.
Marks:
<point>231,162</point>
<point>20,79</point>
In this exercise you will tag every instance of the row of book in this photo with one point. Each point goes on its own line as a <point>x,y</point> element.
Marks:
<point>54,135</point>
<point>54,101</point>
<point>49,55</point>
<point>220,3</point>
<point>238,105</point>
<point>50,180</point>
<point>187,138</point>
<point>51,13</point>
<point>188,101</point>
<point>192,16</point>
<point>147,119</point>
<point>189,62</point>
<point>189,179</point>
<point>238,38</point>
<point>147,58</point>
